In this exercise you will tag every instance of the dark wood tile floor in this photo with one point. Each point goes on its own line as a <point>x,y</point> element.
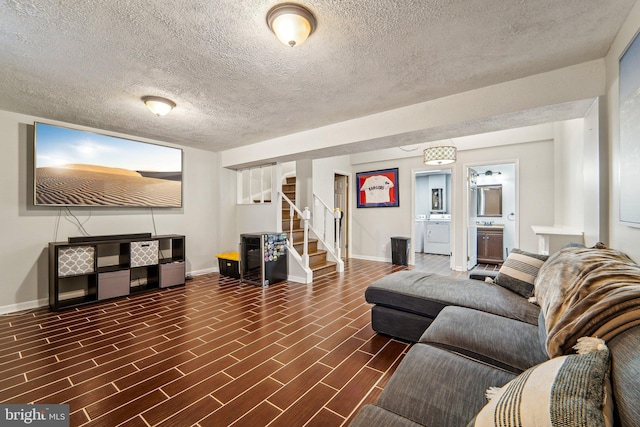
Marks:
<point>212,353</point>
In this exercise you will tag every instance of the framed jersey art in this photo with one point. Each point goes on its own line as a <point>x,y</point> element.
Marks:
<point>378,189</point>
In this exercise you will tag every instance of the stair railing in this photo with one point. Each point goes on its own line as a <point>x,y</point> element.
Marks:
<point>304,219</point>
<point>323,231</point>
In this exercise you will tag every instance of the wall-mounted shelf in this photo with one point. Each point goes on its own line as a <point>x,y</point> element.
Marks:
<point>104,267</point>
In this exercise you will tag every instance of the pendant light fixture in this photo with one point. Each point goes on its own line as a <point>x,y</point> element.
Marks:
<point>291,23</point>
<point>158,105</point>
<point>440,155</point>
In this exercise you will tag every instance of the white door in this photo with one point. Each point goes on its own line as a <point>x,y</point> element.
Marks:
<point>472,219</point>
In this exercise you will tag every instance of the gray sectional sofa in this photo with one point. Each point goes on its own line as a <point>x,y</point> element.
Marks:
<point>471,335</point>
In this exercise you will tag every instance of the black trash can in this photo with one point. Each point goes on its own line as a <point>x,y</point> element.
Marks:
<point>400,250</point>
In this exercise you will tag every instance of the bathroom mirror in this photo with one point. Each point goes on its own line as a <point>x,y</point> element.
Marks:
<point>436,199</point>
<point>489,200</point>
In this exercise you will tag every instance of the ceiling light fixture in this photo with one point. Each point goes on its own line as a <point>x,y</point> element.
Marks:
<point>440,155</point>
<point>291,23</point>
<point>158,105</point>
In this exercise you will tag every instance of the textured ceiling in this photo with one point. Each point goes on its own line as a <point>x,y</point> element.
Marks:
<point>88,62</point>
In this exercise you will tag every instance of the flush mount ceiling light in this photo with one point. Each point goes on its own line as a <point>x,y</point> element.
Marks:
<point>158,105</point>
<point>440,155</point>
<point>291,23</point>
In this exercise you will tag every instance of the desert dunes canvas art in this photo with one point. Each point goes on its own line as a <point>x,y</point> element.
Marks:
<point>78,168</point>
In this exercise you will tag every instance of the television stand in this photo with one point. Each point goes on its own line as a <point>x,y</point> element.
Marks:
<point>91,269</point>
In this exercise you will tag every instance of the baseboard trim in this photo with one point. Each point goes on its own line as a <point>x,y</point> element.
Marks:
<point>297,279</point>
<point>370,258</point>
<point>373,258</point>
<point>21,306</point>
<point>30,305</point>
<point>204,271</point>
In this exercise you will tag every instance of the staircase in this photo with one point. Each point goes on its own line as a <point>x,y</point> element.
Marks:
<point>317,257</point>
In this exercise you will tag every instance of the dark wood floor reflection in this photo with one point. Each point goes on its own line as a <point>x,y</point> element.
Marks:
<point>212,353</point>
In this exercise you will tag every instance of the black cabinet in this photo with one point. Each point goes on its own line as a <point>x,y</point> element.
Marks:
<point>263,258</point>
<point>103,267</point>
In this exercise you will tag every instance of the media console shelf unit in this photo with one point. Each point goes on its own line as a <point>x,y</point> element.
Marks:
<point>86,270</point>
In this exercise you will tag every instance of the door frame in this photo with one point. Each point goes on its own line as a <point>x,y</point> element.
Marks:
<point>346,215</point>
<point>466,207</point>
<point>412,218</point>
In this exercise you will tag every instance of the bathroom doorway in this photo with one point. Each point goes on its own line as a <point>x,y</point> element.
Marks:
<point>492,207</point>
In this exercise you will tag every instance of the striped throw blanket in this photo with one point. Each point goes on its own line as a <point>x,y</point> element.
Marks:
<point>587,292</point>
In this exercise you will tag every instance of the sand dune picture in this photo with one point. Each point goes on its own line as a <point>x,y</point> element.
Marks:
<point>77,168</point>
<point>90,185</point>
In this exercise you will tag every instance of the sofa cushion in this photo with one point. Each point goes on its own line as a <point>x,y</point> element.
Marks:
<point>427,294</point>
<point>505,343</point>
<point>519,271</point>
<point>567,390</point>
<point>625,371</point>
<point>434,387</point>
<point>374,416</point>
<point>397,323</point>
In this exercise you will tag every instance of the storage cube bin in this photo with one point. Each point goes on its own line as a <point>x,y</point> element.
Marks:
<point>171,274</point>
<point>76,260</point>
<point>113,284</point>
<point>229,264</point>
<point>144,253</point>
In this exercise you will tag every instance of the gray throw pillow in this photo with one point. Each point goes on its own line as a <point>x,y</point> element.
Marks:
<point>519,271</point>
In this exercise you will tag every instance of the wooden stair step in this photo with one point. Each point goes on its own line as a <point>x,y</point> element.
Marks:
<point>296,224</point>
<point>291,180</point>
<point>318,258</point>
<point>298,235</point>
<point>312,248</point>
<point>324,269</point>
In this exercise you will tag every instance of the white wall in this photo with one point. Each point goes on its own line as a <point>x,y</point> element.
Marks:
<point>582,175</point>
<point>373,227</point>
<point>596,175</point>
<point>569,173</point>
<point>26,230</point>
<point>259,217</point>
<point>323,175</point>
<point>622,237</point>
<point>324,171</point>
<point>535,181</point>
<point>226,221</point>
